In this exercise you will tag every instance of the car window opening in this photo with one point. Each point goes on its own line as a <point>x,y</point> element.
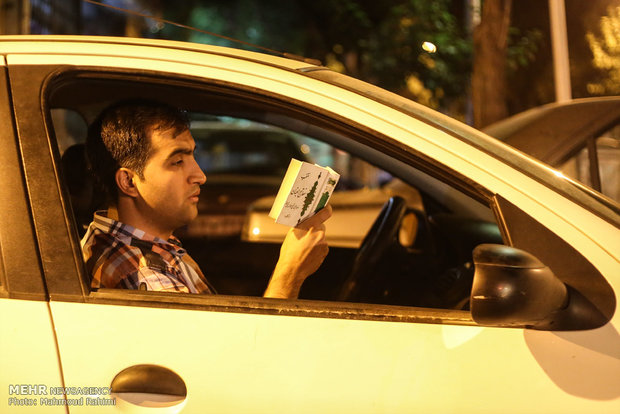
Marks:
<point>244,149</point>
<point>429,261</point>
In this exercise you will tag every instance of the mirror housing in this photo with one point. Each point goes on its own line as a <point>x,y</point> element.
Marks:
<point>513,288</point>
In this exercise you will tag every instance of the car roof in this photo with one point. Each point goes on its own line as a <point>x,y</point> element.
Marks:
<point>112,46</point>
<point>554,132</point>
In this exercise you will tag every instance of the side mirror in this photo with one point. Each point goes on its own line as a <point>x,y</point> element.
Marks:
<point>513,288</point>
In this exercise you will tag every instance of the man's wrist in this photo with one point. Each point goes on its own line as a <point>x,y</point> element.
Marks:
<point>285,282</point>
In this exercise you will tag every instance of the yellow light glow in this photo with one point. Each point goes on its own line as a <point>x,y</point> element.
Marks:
<point>256,231</point>
<point>429,47</point>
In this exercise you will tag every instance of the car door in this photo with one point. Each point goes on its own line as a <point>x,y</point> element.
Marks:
<point>29,362</point>
<point>248,354</point>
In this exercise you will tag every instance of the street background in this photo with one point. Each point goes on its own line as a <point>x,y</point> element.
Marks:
<point>429,51</point>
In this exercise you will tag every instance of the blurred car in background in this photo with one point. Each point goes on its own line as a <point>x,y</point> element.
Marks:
<point>580,138</point>
<point>354,211</point>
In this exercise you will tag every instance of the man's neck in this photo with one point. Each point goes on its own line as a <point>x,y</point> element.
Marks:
<point>129,215</point>
<point>113,212</point>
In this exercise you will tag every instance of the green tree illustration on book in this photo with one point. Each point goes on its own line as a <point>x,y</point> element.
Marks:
<point>310,197</point>
<point>323,201</point>
<point>304,186</point>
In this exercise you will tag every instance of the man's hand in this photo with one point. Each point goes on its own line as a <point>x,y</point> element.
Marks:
<point>301,254</point>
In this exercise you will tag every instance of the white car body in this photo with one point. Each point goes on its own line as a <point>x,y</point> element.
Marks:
<point>242,354</point>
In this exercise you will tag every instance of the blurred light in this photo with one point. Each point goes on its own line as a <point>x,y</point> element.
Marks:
<point>155,27</point>
<point>251,32</point>
<point>427,60</point>
<point>333,63</point>
<point>256,231</point>
<point>406,22</point>
<point>429,47</point>
<point>305,148</point>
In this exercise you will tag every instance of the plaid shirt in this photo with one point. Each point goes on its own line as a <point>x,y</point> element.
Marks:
<point>123,257</point>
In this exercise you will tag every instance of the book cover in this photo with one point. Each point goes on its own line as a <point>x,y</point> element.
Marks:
<point>305,189</point>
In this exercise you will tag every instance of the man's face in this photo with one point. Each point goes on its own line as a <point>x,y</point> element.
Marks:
<point>172,178</point>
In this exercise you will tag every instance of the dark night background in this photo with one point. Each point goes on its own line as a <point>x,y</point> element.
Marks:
<point>377,41</point>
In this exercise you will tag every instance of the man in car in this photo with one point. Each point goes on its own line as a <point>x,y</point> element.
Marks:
<point>143,155</point>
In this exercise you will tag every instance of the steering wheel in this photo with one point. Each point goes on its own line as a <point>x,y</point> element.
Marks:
<point>381,236</point>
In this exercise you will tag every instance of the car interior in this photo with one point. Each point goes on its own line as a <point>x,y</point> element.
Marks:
<point>414,254</point>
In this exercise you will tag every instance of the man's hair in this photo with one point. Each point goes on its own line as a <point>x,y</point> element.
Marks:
<point>121,138</point>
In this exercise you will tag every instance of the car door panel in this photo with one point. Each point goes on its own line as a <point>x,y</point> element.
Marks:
<point>28,357</point>
<point>268,363</point>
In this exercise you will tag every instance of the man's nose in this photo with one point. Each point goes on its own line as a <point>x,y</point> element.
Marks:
<point>198,176</point>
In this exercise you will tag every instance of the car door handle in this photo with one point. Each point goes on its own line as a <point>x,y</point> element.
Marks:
<point>149,388</point>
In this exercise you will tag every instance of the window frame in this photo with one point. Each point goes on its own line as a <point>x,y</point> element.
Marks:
<point>379,150</point>
<point>21,274</point>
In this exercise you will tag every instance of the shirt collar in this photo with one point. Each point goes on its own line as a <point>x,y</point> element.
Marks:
<point>125,233</point>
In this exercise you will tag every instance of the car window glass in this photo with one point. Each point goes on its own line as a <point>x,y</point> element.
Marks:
<point>608,151</point>
<point>69,128</point>
<point>608,154</point>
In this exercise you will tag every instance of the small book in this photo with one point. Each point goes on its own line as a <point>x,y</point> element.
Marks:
<point>305,190</point>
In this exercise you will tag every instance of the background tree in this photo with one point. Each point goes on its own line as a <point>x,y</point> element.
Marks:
<point>606,52</point>
<point>382,43</point>
<point>379,42</point>
<point>489,71</point>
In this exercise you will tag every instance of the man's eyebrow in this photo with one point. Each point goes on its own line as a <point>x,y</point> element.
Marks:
<point>180,150</point>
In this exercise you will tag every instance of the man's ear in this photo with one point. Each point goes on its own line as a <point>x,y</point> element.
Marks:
<point>125,182</point>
